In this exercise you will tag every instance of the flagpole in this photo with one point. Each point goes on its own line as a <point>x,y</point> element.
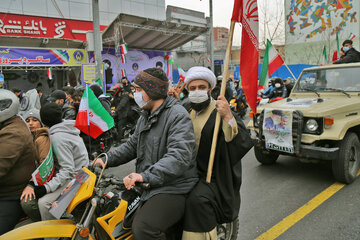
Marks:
<point>88,116</point>
<point>222,93</point>
<point>290,71</point>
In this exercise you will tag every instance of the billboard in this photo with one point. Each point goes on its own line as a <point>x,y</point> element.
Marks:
<point>38,56</point>
<point>136,61</point>
<point>311,24</point>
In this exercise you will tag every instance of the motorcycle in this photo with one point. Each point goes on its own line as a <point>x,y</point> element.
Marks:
<point>239,105</point>
<point>101,144</point>
<point>102,208</point>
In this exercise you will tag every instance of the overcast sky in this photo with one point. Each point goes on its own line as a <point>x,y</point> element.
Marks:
<point>222,10</point>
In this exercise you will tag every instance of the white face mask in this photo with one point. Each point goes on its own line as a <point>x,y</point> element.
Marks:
<point>198,96</point>
<point>139,99</point>
<point>277,85</point>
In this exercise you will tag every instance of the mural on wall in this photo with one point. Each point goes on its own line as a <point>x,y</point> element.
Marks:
<point>308,19</point>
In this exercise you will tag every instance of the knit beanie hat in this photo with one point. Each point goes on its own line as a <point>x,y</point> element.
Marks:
<point>154,87</point>
<point>33,113</point>
<point>51,114</point>
<point>58,94</point>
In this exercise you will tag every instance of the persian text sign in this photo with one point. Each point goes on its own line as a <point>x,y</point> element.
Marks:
<point>27,56</point>
<point>43,27</point>
<point>88,73</point>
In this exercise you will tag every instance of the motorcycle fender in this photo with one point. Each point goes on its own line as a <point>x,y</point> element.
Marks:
<point>42,229</point>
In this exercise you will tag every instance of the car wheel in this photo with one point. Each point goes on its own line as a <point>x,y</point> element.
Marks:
<point>346,166</point>
<point>264,156</point>
<point>228,231</point>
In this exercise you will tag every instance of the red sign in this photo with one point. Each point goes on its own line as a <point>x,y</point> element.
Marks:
<point>43,27</point>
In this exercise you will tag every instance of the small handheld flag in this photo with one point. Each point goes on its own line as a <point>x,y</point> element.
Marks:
<point>123,73</point>
<point>92,119</point>
<point>124,49</point>
<point>49,73</point>
<point>123,58</point>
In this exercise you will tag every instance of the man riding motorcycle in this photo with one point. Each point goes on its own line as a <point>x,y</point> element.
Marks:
<point>278,91</point>
<point>164,147</point>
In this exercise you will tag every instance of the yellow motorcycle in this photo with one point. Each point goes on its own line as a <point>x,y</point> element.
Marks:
<point>96,213</point>
<point>101,209</point>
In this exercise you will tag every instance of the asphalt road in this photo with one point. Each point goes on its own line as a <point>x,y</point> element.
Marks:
<point>271,193</point>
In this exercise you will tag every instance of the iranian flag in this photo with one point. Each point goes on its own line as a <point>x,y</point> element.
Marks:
<point>352,36</point>
<point>124,49</point>
<point>324,60</point>
<point>181,72</point>
<point>337,45</point>
<point>123,73</point>
<point>246,12</point>
<point>49,73</point>
<point>123,58</point>
<point>45,172</point>
<point>272,61</point>
<point>92,119</point>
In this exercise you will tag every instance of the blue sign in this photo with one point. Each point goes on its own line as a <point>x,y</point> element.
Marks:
<point>1,78</point>
<point>218,62</point>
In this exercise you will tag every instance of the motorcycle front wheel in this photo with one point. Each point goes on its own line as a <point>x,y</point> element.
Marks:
<point>228,231</point>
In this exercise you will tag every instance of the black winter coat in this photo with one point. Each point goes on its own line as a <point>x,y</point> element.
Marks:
<point>350,56</point>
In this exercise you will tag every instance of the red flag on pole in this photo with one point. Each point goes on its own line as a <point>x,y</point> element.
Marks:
<point>246,12</point>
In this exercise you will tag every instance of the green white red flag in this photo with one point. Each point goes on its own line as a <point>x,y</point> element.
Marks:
<point>49,73</point>
<point>352,36</point>
<point>45,172</point>
<point>324,59</point>
<point>123,73</point>
<point>272,62</point>
<point>181,72</point>
<point>124,49</point>
<point>92,118</point>
<point>123,58</point>
<point>246,12</point>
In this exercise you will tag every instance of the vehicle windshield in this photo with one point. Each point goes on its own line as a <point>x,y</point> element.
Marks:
<point>330,80</point>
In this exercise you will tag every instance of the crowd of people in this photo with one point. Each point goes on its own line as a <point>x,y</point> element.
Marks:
<point>171,142</point>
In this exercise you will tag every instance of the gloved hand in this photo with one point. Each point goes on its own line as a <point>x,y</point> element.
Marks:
<point>40,191</point>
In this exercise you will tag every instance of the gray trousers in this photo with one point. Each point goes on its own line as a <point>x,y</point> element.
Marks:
<point>47,200</point>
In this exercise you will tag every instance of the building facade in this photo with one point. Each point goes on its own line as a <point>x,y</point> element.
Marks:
<point>311,25</point>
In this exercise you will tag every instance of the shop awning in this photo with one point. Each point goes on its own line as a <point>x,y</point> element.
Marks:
<point>144,33</point>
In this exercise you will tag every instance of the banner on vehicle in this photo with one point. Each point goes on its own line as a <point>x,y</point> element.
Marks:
<point>277,128</point>
<point>45,172</point>
<point>33,56</point>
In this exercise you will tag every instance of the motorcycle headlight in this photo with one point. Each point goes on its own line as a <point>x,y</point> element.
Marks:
<point>312,125</point>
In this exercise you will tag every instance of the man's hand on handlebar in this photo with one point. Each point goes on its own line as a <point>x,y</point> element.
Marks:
<point>131,179</point>
<point>98,161</point>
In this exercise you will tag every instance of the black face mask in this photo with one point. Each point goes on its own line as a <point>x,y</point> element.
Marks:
<point>125,83</point>
<point>201,106</point>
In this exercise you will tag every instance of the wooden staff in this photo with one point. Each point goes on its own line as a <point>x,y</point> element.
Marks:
<point>222,93</point>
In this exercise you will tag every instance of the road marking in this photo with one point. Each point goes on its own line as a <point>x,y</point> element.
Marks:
<point>300,213</point>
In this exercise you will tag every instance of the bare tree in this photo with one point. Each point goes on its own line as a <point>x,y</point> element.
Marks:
<point>271,21</point>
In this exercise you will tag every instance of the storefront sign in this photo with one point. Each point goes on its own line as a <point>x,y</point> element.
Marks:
<point>30,57</point>
<point>43,27</point>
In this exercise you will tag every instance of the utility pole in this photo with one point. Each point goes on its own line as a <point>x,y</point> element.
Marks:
<point>211,36</point>
<point>97,39</point>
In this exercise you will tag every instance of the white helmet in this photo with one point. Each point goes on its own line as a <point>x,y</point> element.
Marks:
<point>9,105</point>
